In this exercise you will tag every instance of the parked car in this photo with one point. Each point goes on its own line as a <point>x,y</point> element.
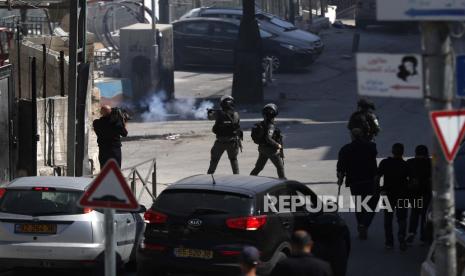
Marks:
<point>211,42</point>
<point>428,268</point>
<point>267,22</point>
<point>201,223</point>
<point>42,226</point>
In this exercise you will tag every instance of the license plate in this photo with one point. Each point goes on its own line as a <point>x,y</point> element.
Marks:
<point>36,228</point>
<point>193,253</point>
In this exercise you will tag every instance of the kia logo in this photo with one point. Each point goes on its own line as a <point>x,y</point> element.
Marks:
<point>194,222</point>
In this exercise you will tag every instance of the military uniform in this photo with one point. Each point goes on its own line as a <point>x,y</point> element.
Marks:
<point>228,138</point>
<point>269,149</point>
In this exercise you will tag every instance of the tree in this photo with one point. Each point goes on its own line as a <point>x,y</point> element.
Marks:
<point>248,56</point>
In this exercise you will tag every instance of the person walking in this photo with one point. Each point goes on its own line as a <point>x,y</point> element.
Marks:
<point>228,134</point>
<point>270,142</point>
<point>302,261</point>
<point>395,172</point>
<point>249,260</point>
<point>109,128</point>
<point>365,119</point>
<point>419,191</point>
<point>357,165</point>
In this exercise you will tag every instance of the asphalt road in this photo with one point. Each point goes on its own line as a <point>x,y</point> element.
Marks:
<point>315,104</point>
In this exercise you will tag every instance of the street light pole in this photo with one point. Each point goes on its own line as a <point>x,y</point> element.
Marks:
<point>439,74</point>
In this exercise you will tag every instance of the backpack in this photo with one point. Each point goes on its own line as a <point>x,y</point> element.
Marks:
<point>258,133</point>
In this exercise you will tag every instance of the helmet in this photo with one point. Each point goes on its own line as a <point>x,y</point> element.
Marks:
<point>365,104</point>
<point>227,102</point>
<point>270,110</point>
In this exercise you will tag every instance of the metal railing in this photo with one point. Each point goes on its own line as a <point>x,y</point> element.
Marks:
<point>135,176</point>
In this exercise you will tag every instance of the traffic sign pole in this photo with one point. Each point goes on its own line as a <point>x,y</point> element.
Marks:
<point>439,91</point>
<point>110,243</point>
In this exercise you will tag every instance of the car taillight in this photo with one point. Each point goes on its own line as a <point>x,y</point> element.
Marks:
<point>2,192</point>
<point>153,217</point>
<point>246,223</point>
<point>87,210</point>
<point>45,189</point>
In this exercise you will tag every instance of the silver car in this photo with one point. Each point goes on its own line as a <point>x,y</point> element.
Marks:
<point>41,225</point>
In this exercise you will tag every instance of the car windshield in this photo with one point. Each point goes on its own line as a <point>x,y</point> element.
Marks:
<point>40,203</point>
<point>199,201</point>
<point>282,23</point>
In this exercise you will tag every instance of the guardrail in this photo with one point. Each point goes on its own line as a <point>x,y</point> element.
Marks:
<point>134,176</point>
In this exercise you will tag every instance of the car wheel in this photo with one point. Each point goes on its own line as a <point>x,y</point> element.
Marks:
<point>276,63</point>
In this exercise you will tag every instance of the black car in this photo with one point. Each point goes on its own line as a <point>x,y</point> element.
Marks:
<point>201,223</point>
<point>267,22</point>
<point>211,42</point>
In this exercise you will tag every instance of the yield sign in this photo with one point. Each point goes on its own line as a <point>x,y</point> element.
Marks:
<point>450,130</point>
<point>109,190</point>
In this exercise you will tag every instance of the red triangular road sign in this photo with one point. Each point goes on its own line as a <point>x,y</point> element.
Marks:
<point>109,190</point>
<point>450,129</point>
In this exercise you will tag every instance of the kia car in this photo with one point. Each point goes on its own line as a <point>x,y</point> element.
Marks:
<point>41,226</point>
<point>211,42</point>
<point>200,224</point>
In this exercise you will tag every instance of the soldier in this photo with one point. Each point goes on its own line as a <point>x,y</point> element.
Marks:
<point>110,127</point>
<point>357,164</point>
<point>365,119</point>
<point>395,172</point>
<point>269,140</point>
<point>228,134</point>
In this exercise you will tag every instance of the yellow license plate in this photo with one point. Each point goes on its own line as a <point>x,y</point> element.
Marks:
<point>193,253</point>
<point>36,228</point>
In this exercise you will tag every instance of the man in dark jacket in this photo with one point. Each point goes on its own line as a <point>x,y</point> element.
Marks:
<point>419,191</point>
<point>302,262</point>
<point>249,260</point>
<point>365,119</point>
<point>395,172</point>
<point>357,164</point>
<point>110,127</point>
<point>271,145</point>
<point>228,134</point>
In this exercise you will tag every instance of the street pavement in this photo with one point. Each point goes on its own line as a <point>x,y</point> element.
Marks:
<point>315,104</point>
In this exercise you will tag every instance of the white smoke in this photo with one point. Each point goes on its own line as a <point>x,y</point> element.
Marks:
<point>160,110</point>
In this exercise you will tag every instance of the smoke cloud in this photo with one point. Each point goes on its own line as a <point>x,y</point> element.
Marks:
<point>160,110</point>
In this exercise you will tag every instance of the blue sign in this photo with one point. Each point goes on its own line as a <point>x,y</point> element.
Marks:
<point>460,75</point>
<point>436,12</point>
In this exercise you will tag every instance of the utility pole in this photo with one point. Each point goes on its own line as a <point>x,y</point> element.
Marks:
<point>292,11</point>
<point>439,74</point>
<point>72,87</point>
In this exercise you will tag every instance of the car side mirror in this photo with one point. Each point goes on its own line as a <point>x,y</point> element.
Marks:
<point>142,209</point>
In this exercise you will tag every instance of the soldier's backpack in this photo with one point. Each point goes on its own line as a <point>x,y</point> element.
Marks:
<point>258,133</point>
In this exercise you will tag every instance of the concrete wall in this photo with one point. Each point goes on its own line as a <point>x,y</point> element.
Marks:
<point>138,56</point>
<point>32,47</point>
<point>52,128</point>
